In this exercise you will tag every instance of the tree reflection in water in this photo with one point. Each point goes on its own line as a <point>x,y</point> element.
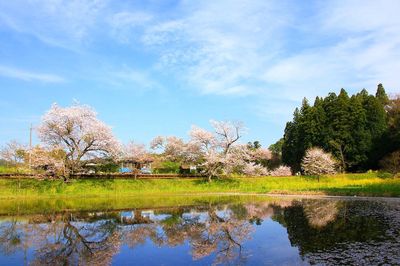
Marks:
<point>221,231</point>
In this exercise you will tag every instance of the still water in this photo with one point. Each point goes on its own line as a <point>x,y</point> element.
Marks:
<point>201,231</point>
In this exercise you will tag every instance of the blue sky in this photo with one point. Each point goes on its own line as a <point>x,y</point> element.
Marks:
<point>157,67</point>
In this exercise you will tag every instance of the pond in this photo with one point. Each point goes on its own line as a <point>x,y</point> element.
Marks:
<point>227,230</point>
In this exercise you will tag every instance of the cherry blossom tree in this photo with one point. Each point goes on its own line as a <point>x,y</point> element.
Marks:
<point>173,148</point>
<point>50,160</point>
<point>254,169</point>
<point>282,170</point>
<point>136,152</point>
<point>317,162</point>
<point>79,132</point>
<point>261,154</point>
<point>218,150</point>
<point>227,133</point>
<point>13,152</point>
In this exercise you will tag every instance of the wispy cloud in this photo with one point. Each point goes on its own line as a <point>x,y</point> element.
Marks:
<point>26,75</point>
<point>124,24</point>
<point>63,24</point>
<point>126,78</point>
<point>264,50</point>
<point>219,47</point>
<point>270,49</point>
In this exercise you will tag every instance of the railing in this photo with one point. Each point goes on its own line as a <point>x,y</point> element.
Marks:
<point>105,176</point>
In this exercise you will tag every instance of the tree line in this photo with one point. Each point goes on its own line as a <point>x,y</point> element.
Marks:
<point>74,139</point>
<point>359,130</point>
<point>339,132</point>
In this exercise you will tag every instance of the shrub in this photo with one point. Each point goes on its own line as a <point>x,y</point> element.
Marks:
<point>391,162</point>
<point>317,162</point>
<point>384,175</point>
<point>282,170</point>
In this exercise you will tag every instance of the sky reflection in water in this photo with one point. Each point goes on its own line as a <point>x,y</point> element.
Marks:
<point>257,232</point>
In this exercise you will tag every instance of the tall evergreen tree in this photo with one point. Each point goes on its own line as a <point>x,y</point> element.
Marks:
<point>291,146</point>
<point>339,127</point>
<point>354,129</point>
<point>381,95</point>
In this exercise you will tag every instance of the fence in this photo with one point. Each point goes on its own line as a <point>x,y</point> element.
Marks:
<point>104,176</point>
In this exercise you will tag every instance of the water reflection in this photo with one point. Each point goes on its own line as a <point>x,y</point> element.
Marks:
<point>318,232</point>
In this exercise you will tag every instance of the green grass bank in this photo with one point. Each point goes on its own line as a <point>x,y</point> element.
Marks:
<point>367,184</point>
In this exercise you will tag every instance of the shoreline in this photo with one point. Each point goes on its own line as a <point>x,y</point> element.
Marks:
<point>308,195</point>
<point>345,185</point>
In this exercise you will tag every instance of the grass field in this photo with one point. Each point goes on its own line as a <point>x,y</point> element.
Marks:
<point>11,169</point>
<point>367,184</point>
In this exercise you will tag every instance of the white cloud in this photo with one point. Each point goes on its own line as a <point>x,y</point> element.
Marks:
<point>219,47</point>
<point>26,75</point>
<point>123,24</point>
<point>272,49</point>
<point>360,15</point>
<point>59,23</point>
<point>125,78</point>
<point>364,51</point>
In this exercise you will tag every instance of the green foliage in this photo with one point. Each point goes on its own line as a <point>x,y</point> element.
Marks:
<point>109,167</point>
<point>391,162</point>
<point>276,147</point>
<point>276,159</point>
<point>352,128</point>
<point>384,175</point>
<point>393,135</point>
<point>381,95</point>
<point>253,145</point>
<point>167,167</point>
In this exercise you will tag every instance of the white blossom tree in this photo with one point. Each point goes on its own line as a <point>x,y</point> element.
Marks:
<point>282,170</point>
<point>227,133</point>
<point>254,169</point>
<point>50,160</point>
<point>13,152</point>
<point>317,162</point>
<point>173,148</point>
<point>261,154</point>
<point>218,150</point>
<point>136,152</point>
<point>79,132</point>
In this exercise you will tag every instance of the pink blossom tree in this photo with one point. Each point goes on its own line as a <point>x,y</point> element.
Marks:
<point>317,162</point>
<point>136,152</point>
<point>261,154</point>
<point>13,152</point>
<point>227,133</point>
<point>50,160</point>
<point>79,132</point>
<point>173,148</point>
<point>254,169</point>
<point>282,170</point>
<point>218,150</point>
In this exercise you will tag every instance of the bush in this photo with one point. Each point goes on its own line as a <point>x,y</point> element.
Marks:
<point>167,167</point>
<point>391,162</point>
<point>317,162</point>
<point>384,175</point>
